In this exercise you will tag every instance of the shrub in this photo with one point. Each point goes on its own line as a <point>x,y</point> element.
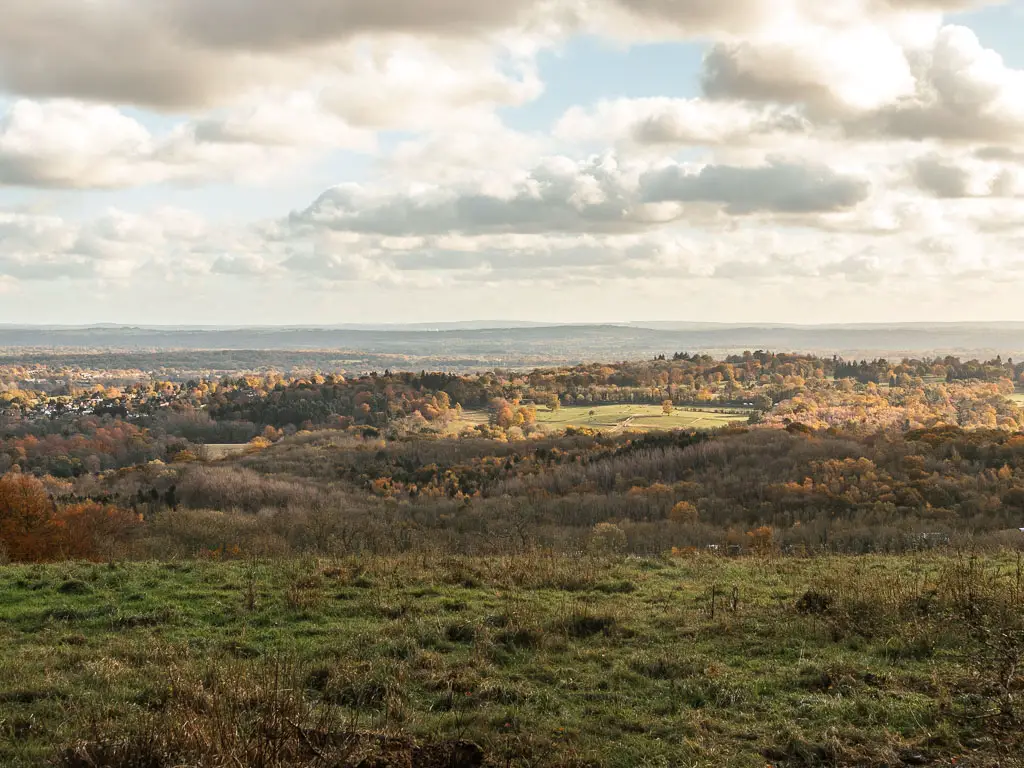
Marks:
<point>607,539</point>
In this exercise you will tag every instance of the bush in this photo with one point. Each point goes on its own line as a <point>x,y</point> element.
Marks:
<point>607,539</point>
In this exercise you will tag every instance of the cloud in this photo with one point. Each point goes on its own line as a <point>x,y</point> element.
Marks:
<point>559,195</point>
<point>769,22</point>
<point>598,195</point>
<point>164,244</point>
<point>964,177</point>
<point>188,54</point>
<point>287,120</point>
<point>195,54</point>
<point>271,25</point>
<point>965,94</point>
<point>448,155</point>
<point>64,48</point>
<point>777,187</point>
<point>66,144</point>
<point>413,85</point>
<point>1001,154</point>
<point>242,265</point>
<point>946,87</point>
<point>681,122</point>
<point>825,69</point>
<point>72,145</point>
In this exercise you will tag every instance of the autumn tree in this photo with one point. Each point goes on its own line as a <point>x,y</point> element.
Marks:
<point>28,531</point>
<point>684,512</point>
<point>33,529</point>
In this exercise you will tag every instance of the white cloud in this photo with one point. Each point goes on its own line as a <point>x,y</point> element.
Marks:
<point>69,144</point>
<point>778,187</point>
<point>680,122</point>
<point>598,195</point>
<point>417,86</point>
<point>965,93</point>
<point>840,144</point>
<point>855,69</point>
<point>963,177</point>
<point>559,195</point>
<point>165,244</point>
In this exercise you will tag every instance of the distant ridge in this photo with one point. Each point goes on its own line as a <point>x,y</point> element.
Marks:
<point>486,341</point>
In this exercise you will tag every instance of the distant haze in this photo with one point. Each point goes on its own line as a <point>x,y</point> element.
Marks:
<point>473,345</point>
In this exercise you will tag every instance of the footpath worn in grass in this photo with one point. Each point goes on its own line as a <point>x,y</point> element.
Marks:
<point>534,660</point>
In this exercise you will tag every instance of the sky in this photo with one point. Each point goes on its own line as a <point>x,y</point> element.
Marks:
<point>233,162</point>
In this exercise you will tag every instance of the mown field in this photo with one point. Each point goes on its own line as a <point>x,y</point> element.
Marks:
<point>640,417</point>
<point>522,661</point>
<point>218,451</point>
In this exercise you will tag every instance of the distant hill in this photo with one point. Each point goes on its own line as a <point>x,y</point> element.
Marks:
<point>530,344</point>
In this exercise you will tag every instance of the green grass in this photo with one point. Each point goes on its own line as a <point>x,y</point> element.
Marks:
<point>469,420</point>
<point>1018,398</point>
<point>640,417</point>
<point>217,451</point>
<point>539,660</point>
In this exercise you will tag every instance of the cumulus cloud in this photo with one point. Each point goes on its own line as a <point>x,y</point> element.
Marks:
<point>268,24</point>
<point>193,53</point>
<point>599,195</point>
<point>946,87</point>
<point>964,177</point>
<point>285,120</point>
<point>829,77</point>
<point>164,244</point>
<point>673,19</point>
<point>243,265</point>
<point>417,86</point>
<point>681,122</point>
<point>1001,154</point>
<point>559,195</point>
<point>68,144</point>
<point>833,64</point>
<point>448,155</point>
<point>777,187</point>
<point>965,93</point>
<point>807,174</point>
<point>188,53</point>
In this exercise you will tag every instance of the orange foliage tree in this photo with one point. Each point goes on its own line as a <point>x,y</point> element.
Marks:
<point>27,527</point>
<point>33,529</point>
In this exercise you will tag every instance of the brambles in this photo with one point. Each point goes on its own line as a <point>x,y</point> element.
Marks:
<point>813,603</point>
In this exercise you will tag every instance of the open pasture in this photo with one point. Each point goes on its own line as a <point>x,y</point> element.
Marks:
<point>217,451</point>
<point>531,660</point>
<point>640,417</point>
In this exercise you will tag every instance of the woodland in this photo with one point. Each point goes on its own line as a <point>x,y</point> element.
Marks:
<point>513,568</point>
<point>820,454</point>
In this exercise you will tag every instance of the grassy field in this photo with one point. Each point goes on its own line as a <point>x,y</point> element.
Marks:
<point>520,661</point>
<point>640,417</point>
<point>217,451</point>
<point>1018,398</point>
